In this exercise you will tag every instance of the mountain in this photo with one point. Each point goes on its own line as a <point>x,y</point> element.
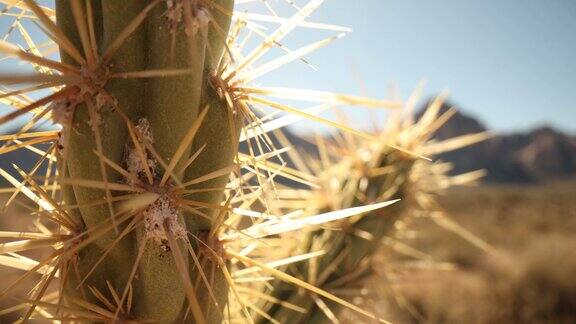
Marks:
<point>539,155</point>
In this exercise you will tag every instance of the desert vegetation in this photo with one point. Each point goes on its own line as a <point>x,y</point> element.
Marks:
<point>441,279</point>
<point>169,191</point>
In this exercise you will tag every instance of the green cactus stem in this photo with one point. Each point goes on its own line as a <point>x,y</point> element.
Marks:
<point>181,42</point>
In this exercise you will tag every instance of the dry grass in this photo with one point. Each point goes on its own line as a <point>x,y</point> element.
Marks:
<point>531,280</point>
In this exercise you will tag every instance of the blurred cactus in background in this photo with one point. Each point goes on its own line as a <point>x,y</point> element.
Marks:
<point>353,172</point>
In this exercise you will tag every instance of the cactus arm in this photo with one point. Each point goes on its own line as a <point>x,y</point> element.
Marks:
<point>345,252</point>
<point>218,138</point>
<point>173,104</point>
<point>81,159</point>
<point>82,143</point>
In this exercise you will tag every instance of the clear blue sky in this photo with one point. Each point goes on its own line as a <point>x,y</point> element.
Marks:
<point>512,63</point>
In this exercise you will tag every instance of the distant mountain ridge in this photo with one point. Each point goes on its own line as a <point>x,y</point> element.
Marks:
<point>542,154</point>
<point>538,155</point>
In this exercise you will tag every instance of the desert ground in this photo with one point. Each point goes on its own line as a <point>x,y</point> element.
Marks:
<point>433,275</point>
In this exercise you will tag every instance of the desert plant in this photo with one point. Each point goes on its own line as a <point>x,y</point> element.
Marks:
<point>352,173</point>
<point>107,50</point>
<point>142,217</point>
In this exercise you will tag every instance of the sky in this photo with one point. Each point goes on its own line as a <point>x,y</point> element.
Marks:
<point>511,63</point>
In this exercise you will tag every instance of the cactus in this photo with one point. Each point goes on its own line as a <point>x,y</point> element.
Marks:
<point>137,70</point>
<point>353,173</point>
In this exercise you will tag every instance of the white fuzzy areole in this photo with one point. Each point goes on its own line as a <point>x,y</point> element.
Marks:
<point>161,212</point>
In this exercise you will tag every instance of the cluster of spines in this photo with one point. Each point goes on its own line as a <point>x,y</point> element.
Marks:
<point>353,172</point>
<point>185,175</point>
